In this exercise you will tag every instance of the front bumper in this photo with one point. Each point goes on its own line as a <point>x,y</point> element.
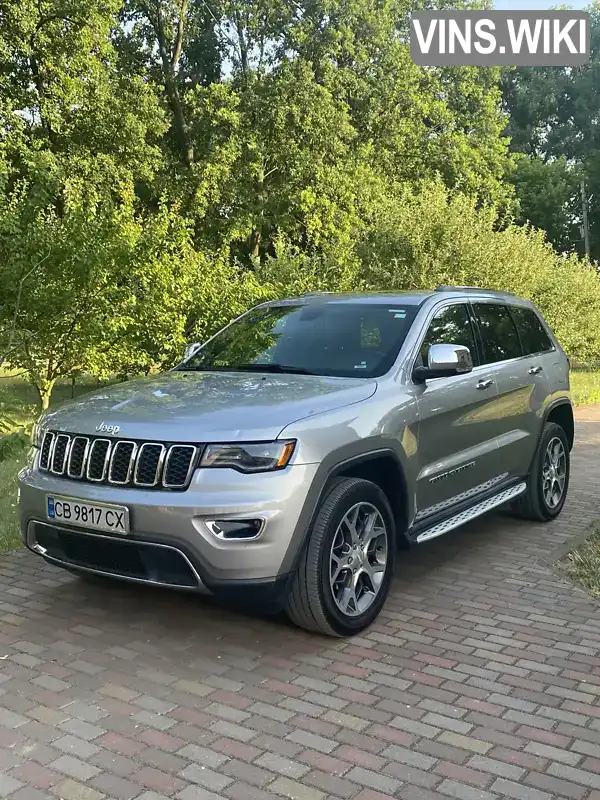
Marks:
<point>169,527</point>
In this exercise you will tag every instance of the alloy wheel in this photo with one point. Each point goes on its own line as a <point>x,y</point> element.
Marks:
<point>358,559</point>
<point>554,473</point>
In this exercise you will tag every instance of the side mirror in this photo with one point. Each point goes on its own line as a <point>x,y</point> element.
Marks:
<point>444,361</point>
<point>191,349</point>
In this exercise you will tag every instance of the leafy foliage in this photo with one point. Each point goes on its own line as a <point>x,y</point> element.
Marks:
<point>554,119</point>
<point>458,242</point>
<point>12,439</point>
<point>549,198</point>
<point>12,443</point>
<point>165,165</point>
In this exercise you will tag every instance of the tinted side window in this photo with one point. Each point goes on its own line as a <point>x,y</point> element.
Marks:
<point>451,325</point>
<point>533,336</point>
<point>498,333</point>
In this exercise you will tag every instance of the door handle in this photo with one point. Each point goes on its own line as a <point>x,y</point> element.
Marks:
<point>485,384</point>
<point>535,370</point>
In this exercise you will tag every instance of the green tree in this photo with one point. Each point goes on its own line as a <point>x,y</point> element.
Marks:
<point>415,122</point>
<point>70,121</point>
<point>63,305</point>
<point>548,197</point>
<point>78,136</point>
<point>313,99</point>
<point>555,115</point>
<point>458,242</point>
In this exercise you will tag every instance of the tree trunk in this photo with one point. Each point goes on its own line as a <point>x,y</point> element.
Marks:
<point>41,92</point>
<point>169,62</point>
<point>44,390</point>
<point>187,148</point>
<point>243,44</point>
<point>256,237</point>
<point>255,245</point>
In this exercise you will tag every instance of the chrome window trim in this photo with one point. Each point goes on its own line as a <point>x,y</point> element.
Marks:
<point>404,366</point>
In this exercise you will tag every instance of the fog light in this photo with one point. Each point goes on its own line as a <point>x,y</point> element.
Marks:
<point>235,529</point>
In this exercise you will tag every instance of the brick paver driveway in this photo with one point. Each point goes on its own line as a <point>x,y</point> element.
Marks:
<point>480,680</point>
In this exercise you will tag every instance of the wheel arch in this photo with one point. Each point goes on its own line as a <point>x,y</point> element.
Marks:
<point>382,468</point>
<point>561,412</point>
<point>381,465</point>
<point>532,505</point>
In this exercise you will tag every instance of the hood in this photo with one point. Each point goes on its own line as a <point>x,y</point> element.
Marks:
<point>207,406</point>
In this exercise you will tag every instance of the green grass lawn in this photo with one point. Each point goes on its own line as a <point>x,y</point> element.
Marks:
<point>18,402</point>
<point>582,565</point>
<point>9,532</point>
<point>585,386</point>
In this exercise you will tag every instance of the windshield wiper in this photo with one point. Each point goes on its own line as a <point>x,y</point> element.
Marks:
<point>278,369</point>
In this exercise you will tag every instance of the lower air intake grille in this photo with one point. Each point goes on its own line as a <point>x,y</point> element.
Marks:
<point>142,561</point>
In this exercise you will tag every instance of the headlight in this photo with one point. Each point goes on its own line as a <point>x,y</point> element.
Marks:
<point>263,457</point>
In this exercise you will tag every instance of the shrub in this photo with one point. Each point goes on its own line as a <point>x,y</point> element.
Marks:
<point>429,237</point>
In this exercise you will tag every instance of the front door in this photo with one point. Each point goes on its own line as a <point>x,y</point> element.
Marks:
<point>457,421</point>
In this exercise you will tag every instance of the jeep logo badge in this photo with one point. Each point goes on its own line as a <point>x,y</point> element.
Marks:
<point>110,429</point>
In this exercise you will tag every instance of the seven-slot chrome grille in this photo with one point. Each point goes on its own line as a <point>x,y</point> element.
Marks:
<point>118,462</point>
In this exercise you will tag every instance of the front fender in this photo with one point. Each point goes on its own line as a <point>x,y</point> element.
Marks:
<point>343,459</point>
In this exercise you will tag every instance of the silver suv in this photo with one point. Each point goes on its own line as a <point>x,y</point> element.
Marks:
<point>287,460</point>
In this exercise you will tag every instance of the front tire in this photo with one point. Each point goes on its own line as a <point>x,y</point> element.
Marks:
<point>548,482</point>
<point>347,565</point>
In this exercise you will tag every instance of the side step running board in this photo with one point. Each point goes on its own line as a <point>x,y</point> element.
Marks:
<point>472,513</point>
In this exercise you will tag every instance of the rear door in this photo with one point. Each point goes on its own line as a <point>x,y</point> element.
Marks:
<point>514,345</point>
<point>457,426</point>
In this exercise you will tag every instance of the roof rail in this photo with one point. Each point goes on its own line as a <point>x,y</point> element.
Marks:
<point>315,294</point>
<point>471,289</point>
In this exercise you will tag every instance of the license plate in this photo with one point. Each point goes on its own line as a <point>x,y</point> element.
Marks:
<point>93,516</point>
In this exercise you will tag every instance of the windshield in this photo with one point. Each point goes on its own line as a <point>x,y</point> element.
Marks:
<point>323,338</point>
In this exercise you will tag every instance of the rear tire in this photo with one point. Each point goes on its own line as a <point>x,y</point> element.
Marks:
<point>548,482</point>
<point>347,564</point>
